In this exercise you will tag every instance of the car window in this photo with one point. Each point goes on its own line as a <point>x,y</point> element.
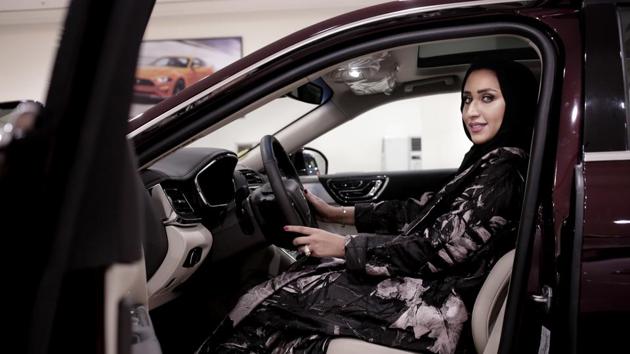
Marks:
<point>624,31</point>
<point>420,133</point>
<point>383,111</point>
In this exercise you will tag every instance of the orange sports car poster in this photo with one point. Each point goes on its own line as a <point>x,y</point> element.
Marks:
<point>166,67</point>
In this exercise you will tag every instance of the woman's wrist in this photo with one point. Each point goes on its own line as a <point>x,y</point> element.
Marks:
<point>345,215</point>
<point>342,215</point>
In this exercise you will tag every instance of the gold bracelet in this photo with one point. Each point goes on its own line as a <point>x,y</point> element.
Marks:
<point>343,215</point>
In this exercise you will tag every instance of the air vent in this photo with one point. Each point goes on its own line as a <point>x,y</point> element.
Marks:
<point>416,144</point>
<point>253,178</point>
<point>178,201</point>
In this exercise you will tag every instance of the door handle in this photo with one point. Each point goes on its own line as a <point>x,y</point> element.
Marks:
<point>358,190</point>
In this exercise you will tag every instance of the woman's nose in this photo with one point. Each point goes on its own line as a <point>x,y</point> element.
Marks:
<point>472,110</point>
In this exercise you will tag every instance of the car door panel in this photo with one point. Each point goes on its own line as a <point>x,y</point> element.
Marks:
<point>604,285</point>
<point>349,188</point>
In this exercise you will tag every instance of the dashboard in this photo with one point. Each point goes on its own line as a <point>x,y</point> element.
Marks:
<point>201,196</point>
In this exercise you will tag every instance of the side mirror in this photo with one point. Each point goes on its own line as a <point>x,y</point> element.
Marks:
<point>309,162</point>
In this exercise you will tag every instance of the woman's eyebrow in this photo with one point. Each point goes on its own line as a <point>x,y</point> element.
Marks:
<point>487,90</point>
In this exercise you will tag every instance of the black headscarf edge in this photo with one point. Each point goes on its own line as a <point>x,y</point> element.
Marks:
<point>519,88</point>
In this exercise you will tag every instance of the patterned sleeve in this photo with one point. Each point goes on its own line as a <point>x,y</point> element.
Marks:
<point>489,206</point>
<point>388,217</point>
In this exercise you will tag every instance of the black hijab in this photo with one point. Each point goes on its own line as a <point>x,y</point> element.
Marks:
<point>519,88</point>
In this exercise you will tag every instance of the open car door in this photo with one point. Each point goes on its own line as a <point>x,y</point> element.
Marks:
<point>74,208</point>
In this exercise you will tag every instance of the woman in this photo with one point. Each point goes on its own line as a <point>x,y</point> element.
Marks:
<point>409,278</point>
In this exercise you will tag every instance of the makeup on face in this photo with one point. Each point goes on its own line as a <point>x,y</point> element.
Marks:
<point>483,107</point>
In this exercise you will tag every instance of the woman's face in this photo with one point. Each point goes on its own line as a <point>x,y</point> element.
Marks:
<point>484,105</point>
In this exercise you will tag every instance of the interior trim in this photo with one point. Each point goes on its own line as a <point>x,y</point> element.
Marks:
<point>122,281</point>
<point>172,271</point>
<point>198,186</point>
<point>607,156</point>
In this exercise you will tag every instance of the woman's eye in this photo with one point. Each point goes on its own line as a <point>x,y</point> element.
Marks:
<point>487,98</point>
<point>467,99</point>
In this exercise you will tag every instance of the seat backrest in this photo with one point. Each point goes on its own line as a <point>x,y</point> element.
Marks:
<point>487,315</point>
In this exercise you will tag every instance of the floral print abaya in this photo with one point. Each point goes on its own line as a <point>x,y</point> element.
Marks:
<point>409,277</point>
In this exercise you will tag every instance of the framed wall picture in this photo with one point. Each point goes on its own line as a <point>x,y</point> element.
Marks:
<point>166,67</point>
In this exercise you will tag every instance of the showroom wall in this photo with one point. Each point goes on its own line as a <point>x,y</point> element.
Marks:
<point>26,60</point>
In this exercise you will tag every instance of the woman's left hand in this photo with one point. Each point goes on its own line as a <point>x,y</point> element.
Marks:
<point>320,243</point>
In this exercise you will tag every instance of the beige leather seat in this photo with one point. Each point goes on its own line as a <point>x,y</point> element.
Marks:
<point>489,308</point>
<point>486,321</point>
<point>351,345</point>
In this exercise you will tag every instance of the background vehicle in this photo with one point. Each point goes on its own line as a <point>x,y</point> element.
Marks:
<point>167,76</point>
<point>108,252</point>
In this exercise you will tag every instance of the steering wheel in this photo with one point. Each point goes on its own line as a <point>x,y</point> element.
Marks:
<point>288,190</point>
